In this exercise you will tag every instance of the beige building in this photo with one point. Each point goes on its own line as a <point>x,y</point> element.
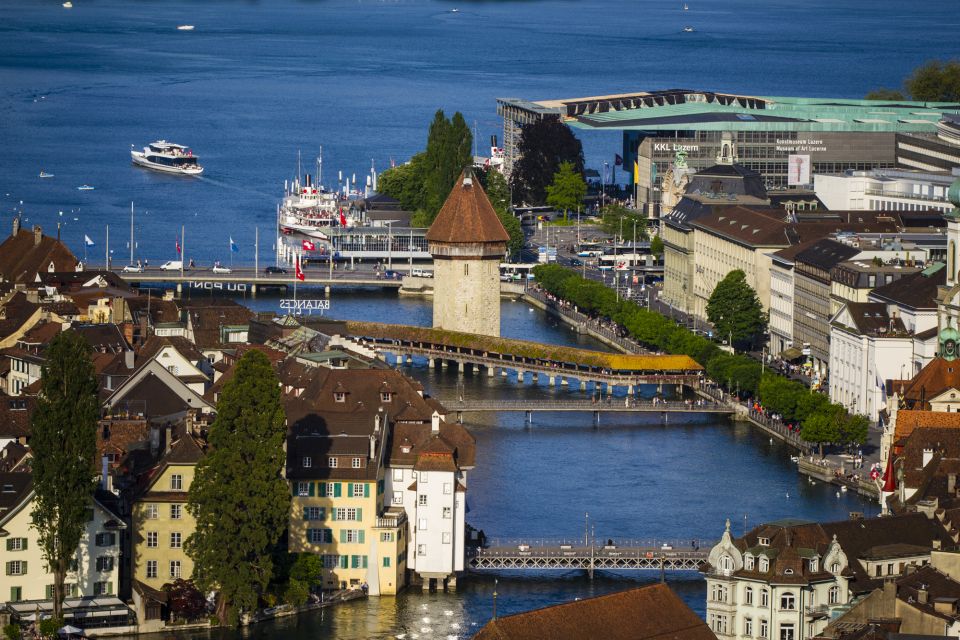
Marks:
<point>467,243</point>
<point>161,523</point>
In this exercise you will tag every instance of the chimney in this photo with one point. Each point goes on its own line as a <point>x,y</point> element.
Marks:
<point>144,328</point>
<point>936,544</point>
<point>927,457</point>
<point>16,225</point>
<point>951,483</point>
<point>128,358</point>
<point>167,438</point>
<point>104,472</point>
<point>37,235</point>
<point>923,596</point>
<point>435,423</point>
<point>373,446</point>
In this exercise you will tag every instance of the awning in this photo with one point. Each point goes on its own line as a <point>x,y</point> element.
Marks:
<point>791,353</point>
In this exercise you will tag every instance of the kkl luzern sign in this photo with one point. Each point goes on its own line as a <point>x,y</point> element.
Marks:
<point>299,306</point>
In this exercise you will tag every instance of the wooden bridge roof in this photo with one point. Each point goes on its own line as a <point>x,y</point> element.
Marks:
<point>523,348</point>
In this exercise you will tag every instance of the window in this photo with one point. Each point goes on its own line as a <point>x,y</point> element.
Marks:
<point>151,568</point>
<point>718,593</point>
<point>358,487</point>
<point>788,601</point>
<point>102,588</point>
<point>764,598</point>
<point>814,565</point>
<point>748,626</point>
<point>152,539</point>
<point>176,540</point>
<point>447,512</point>
<point>748,595</point>
<point>446,537</point>
<point>386,563</point>
<point>319,536</point>
<point>398,498</point>
<point>314,513</point>
<point>748,563</point>
<point>332,462</point>
<point>176,511</point>
<point>16,594</point>
<point>106,539</point>
<point>422,500</point>
<point>421,549</point>
<point>398,475</point>
<point>16,544</point>
<point>350,535</point>
<point>105,563</point>
<point>889,568</point>
<point>835,567</point>
<point>764,564</point>
<point>153,512</point>
<point>422,524</point>
<point>17,567</point>
<point>331,561</point>
<point>447,488</point>
<point>786,631</point>
<point>763,542</point>
<point>343,513</point>
<point>307,462</point>
<point>833,595</point>
<point>878,570</point>
<point>357,463</point>
<point>176,482</point>
<point>339,396</point>
<point>174,568</point>
<point>424,476</point>
<point>466,269</point>
<point>763,628</point>
<point>384,396</point>
<point>386,536</point>
<point>303,488</point>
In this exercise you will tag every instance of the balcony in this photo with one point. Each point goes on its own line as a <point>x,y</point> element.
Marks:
<point>817,611</point>
<point>391,520</point>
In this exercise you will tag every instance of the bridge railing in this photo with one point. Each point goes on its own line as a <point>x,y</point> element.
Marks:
<point>658,544</point>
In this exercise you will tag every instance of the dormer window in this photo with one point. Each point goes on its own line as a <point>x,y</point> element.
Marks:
<point>748,563</point>
<point>814,565</point>
<point>339,396</point>
<point>764,564</point>
<point>405,448</point>
<point>307,462</point>
<point>385,396</point>
<point>763,542</point>
<point>357,463</point>
<point>332,462</point>
<point>8,488</point>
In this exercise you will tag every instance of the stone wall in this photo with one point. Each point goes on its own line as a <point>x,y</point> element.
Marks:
<point>466,296</point>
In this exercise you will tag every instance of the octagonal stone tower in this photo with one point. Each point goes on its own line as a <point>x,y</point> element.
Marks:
<point>467,243</point>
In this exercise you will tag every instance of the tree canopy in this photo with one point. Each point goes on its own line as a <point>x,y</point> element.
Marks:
<point>616,218</point>
<point>498,192</point>
<point>239,499</point>
<point>543,146</point>
<point>933,81</point>
<point>64,445</point>
<point>734,310</point>
<point>567,190</point>
<point>656,245</point>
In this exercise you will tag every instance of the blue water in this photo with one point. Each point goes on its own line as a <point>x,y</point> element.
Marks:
<point>256,81</point>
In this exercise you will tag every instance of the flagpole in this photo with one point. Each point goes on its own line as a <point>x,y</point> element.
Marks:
<point>183,248</point>
<point>131,232</point>
<point>106,255</point>
<point>256,251</point>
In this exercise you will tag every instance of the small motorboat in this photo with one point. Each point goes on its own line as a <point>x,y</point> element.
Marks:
<point>685,7</point>
<point>44,174</point>
<point>688,29</point>
<point>185,27</point>
<point>68,5</point>
<point>454,10</point>
<point>84,187</point>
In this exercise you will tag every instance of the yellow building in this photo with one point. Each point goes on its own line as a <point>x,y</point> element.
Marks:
<point>161,523</point>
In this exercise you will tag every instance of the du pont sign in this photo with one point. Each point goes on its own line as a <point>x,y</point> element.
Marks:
<point>299,306</point>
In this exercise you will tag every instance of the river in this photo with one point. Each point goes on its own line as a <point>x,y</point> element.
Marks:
<point>635,476</point>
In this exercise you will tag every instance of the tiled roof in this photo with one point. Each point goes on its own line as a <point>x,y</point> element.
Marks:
<point>826,253</point>
<point>937,376</point>
<point>22,256</point>
<point>15,415</point>
<point>871,318</point>
<point>15,313</point>
<point>14,487</point>
<point>652,612</point>
<point>910,420</point>
<point>467,216</point>
<point>916,290</point>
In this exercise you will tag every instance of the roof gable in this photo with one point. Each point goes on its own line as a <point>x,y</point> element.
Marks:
<point>467,216</point>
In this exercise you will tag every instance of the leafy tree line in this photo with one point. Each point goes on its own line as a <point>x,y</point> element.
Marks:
<point>823,422</point>
<point>934,81</point>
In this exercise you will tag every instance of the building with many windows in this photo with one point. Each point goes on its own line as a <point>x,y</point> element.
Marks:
<point>885,190</point>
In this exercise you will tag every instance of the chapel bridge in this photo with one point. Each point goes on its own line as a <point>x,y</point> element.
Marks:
<point>558,364</point>
<point>625,555</point>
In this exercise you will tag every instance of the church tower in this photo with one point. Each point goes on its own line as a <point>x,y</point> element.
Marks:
<point>467,243</point>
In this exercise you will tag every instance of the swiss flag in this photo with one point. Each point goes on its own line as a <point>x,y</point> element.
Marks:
<point>309,246</point>
<point>300,276</point>
<point>343,218</point>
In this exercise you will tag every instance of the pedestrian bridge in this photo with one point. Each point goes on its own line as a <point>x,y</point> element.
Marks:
<point>622,555</point>
<point>596,407</point>
<point>560,365</point>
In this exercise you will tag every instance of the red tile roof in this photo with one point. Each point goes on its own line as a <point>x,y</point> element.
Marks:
<point>908,421</point>
<point>26,253</point>
<point>467,216</point>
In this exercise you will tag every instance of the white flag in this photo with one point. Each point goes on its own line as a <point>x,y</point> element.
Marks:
<point>87,241</point>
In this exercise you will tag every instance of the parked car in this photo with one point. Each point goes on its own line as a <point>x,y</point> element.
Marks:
<point>576,262</point>
<point>221,269</point>
<point>390,274</point>
<point>172,265</point>
<point>133,268</point>
<point>274,270</point>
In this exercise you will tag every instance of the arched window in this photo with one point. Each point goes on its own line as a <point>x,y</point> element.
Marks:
<point>835,568</point>
<point>788,602</point>
<point>833,596</point>
<point>764,564</point>
<point>748,562</point>
<point>764,598</point>
<point>748,595</point>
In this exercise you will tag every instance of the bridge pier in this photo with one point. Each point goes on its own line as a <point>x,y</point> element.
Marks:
<point>564,382</point>
<point>476,368</point>
<point>461,366</point>
<point>529,417</point>
<point>583,385</point>
<point>326,291</point>
<point>551,381</point>
<point>431,363</point>
<point>179,289</point>
<point>503,371</point>
<point>409,358</point>
<point>630,390</point>
<point>443,363</point>
<point>491,371</point>
<point>596,419</point>
<point>253,290</point>
<point>520,376</point>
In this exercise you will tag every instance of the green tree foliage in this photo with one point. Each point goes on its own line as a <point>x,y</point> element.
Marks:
<point>12,631</point>
<point>64,444</point>
<point>296,592</point>
<point>567,190</point>
<point>823,426</point>
<point>853,429</point>
<point>543,146</point>
<point>616,218</point>
<point>935,81</point>
<point>735,310</point>
<point>405,183</point>
<point>307,568</point>
<point>238,497</point>
<point>185,600</point>
<point>656,246</point>
<point>885,94</point>
<point>498,192</point>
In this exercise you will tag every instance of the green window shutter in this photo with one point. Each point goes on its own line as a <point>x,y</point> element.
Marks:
<point>310,491</point>
<point>49,591</point>
<point>349,489</point>
<point>24,544</point>
<point>386,563</point>
<point>328,535</point>
<point>23,567</point>
<point>9,544</point>
<point>293,489</point>
<point>323,490</point>
<point>109,588</point>
<point>359,516</point>
<point>305,514</point>
<point>336,489</point>
<point>380,486</point>
<point>361,536</point>
<point>343,535</point>
<point>8,568</point>
<point>344,562</point>
<point>366,490</point>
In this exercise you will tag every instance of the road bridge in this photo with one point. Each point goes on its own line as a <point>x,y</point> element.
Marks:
<point>614,405</point>
<point>248,279</point>
<point>629,555</point>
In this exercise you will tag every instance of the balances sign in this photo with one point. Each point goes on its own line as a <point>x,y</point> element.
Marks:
<point>299,306</point>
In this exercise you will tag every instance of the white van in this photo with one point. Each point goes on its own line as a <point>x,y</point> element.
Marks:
<point>421,273</point>
<point>172,265</point>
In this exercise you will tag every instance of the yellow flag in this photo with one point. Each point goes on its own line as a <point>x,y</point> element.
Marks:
<point>636,172</point>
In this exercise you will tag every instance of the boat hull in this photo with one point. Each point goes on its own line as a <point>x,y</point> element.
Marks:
<point>140,160</point>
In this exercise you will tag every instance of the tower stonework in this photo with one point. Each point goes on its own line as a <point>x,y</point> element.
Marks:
<point>467,243</point>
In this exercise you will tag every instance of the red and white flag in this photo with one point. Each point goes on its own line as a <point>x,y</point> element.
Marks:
<point>309,246</point>
<point>300,276</point>
<point>343,218</point>
<point>178,246</point>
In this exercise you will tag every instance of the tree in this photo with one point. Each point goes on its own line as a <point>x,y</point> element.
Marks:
<point>543,146</point>
<point>656,246</point>
<point>853,429</point>
<point>405,183</point>
<point>238,497</point>
<point>822,427</point>
<point>447,154</point>
<point>185,599</point>
<point>885,94</point>
<point>64,444</point>
<point>307,569</point>
<point>498,192</point>
<point>735,310</point>
<point>935,81</point>
<point>616,219</point>
<point>567,189</point>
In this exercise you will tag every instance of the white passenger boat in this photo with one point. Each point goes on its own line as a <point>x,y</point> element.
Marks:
<point>185,27</point>
<point>167,157</point>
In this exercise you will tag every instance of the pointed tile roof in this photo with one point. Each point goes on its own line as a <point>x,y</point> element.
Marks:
<point>467,216</point>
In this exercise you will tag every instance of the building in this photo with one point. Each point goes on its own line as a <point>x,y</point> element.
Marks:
<point>784,580</point>
<point>467,242</point>
<point>814,135</point>
<point>940,152</point>
<point>161,522</point>
<point>27,253</point>
<point>885,190</point>
<point>645,613</point>
<point>96,570</point>
<point>853,280</point>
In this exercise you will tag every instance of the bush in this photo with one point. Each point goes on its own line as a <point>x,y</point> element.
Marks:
<point>296,592</point>
<point>12,632</point>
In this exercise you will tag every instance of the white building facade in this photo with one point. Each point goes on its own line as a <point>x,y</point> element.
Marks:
<point>885,190</point>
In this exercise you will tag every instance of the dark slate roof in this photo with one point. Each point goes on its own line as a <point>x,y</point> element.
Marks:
<point>826,253</point>
<point>916,290</point>
<point>871,318</point>
<point>644,613</point>
<point>15,313</point>
<point>15,415</point>
<point>732,179</point>
<point>14,487</point>
<point>467,216</point>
